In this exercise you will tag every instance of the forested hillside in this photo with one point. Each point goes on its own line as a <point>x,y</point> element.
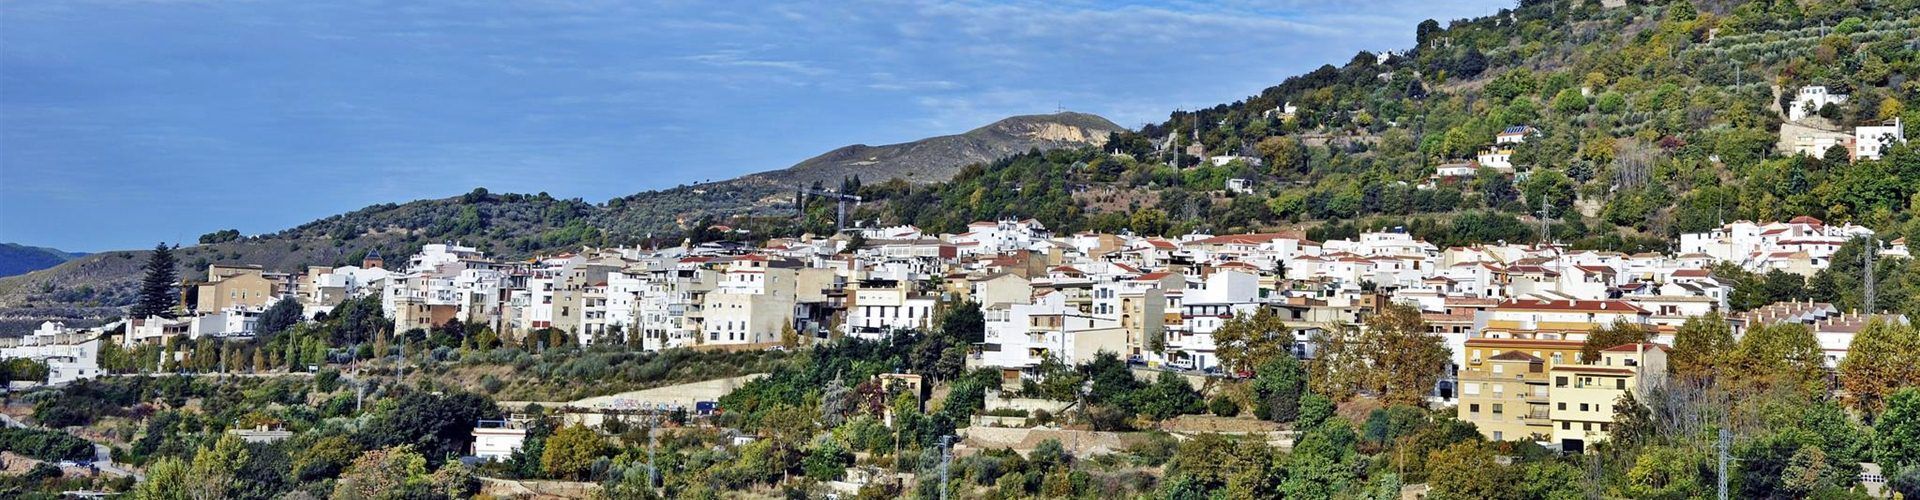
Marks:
<point>1651,121</point>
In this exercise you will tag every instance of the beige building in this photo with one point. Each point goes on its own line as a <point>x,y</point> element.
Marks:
<point>231,286</point>
<point>1504,385</point>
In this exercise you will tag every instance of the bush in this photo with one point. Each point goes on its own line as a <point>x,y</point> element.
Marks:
<point>1224,406</point>
<point>45,445</point>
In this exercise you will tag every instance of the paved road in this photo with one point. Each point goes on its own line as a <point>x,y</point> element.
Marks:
<point>102,455</point>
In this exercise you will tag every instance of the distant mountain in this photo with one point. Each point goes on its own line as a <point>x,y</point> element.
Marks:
<point>18,259</point>
<point>936,159</point>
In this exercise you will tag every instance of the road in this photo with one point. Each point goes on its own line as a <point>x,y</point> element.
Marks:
<point>102,455</point>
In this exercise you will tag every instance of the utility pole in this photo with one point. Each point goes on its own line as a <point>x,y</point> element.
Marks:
<point>1546,233</point>
<point>653,471</point>
<point>946,461</point>
<point>1726,441</point>
<point>1866,272</point>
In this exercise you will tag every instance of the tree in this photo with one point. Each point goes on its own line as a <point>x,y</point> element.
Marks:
<point>1879,361</point>
<point>166,480</point>
<point>1314,410</point>
<point>1284,154</point>
<point>439,426</point>
<point>277,318</point>
<point>381,474</point>
<point>965,322</point>
<point>1897,432</point>
<point>1249,341</point>
<point>157,286</point>
<point>1466,470</point>
<point>1405,359</point>
<point>1617,334</point>
<point>1781,355</point>
<point>1277,388</point>
<point>827,461</point>
<point>1570,101</point>
<point>213,468</point>
<point>1168,397</point>
<point>1665,473</point>
<point>1425,31</point>
<point>1700,345</point>
<point>570,452</point>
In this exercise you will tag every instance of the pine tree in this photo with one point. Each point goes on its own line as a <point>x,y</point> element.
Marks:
<point>156,289</point>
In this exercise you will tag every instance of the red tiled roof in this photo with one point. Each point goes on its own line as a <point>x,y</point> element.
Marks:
<point>1612,306</point>
<point>1593,369</point>
<point>1635,347</point>
<point>1805,219</point>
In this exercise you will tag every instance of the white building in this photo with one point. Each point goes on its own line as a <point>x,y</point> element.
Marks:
<point>68,353</point>
<point>496,440</point>
<point>1809,101</point>
<point>883,307</point>
<point>1204,308</point>
<point>1497,158</point>
<point>1871,142</point>
<point>1020,336</point>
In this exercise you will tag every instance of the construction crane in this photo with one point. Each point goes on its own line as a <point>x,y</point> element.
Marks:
<point>840,219</point>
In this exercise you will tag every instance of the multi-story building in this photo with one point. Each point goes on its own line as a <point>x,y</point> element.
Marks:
<point>1504,385</point>
<point>1584,395</point>
<point>69,354</point>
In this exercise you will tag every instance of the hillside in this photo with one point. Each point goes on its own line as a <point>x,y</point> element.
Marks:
<point>18,259</point>
<point>936,159</point>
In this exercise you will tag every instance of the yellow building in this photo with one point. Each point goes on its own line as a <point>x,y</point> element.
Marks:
<point>1583,396</point>
<point>1504,385</point>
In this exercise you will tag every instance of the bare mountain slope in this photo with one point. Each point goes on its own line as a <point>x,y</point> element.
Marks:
<point>936,159</point>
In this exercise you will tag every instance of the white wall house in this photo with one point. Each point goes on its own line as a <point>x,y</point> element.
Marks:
<point>68,353</point>
<point>1872,142</point>
<point>1809,101</point>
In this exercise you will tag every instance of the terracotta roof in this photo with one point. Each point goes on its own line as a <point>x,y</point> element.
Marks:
<point>1612,306</point>
<point>1593,369</point>
<point>1635,347</point>
<point>1692,273</point>
<point>1155,276</point>
<point>1516,356</point>
<point>1510,343</point>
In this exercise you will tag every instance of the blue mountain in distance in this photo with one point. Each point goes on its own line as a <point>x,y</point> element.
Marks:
<point>16,259</point>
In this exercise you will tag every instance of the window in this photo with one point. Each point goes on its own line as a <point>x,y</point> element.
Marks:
<point>1497,436</point>
<point>1566,426</point>
<point>1470,389</point>
<point>1559,381</point>
<point>1499,409</point>
<point>1563,406</point>
<point>1583,407</point>
<point>1499,368</point>
<point>1473,408</point>
<point>1620,383</point>
<point>1586,426</point>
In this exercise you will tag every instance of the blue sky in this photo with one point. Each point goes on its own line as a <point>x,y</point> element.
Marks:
<point>123,123</point>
